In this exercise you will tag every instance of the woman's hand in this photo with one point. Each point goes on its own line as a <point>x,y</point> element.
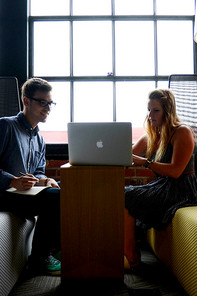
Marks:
<point>139,160</point>
<point>183,146</point>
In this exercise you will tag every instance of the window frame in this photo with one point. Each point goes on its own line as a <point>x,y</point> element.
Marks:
<point>112,77</point>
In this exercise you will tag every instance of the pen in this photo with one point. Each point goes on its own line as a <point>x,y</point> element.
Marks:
<point>23,174</point>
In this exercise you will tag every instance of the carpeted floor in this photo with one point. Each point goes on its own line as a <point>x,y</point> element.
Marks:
<point>37,285</point>
<point>151,279</point>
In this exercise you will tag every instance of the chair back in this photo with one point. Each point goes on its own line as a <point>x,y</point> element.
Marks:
<point>9,96</point>
<point>184,88</point>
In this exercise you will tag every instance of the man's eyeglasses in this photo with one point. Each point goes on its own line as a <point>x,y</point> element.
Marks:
<point>44,103</point>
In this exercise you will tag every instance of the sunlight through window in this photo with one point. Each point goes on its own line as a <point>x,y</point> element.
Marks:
<point>103,57</point>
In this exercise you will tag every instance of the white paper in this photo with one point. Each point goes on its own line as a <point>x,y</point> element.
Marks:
<point>32,191</point>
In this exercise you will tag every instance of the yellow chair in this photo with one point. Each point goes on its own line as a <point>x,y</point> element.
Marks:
<point>176,247</point>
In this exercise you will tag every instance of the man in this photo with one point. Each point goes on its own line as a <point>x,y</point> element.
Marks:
<point>22,166</point>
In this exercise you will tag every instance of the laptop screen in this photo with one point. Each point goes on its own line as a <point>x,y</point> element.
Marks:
<point>105,143</point>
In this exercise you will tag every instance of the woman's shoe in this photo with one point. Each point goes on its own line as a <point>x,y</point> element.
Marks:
<point>132,264</point>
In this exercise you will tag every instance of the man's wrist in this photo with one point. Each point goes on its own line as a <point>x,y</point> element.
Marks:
<point>46,181</point>
<point>13,182</point>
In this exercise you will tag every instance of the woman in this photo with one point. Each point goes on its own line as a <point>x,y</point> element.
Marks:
<point>167,150</point>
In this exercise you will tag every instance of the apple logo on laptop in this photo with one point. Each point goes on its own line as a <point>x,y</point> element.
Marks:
<point>99,144</point>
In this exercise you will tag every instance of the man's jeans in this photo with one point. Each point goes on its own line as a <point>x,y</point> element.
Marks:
<point>45,205</point>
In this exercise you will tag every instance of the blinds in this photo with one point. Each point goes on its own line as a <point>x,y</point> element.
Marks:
<point>184,88</point>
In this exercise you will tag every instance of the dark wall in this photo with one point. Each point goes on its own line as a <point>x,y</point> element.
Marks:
<point>13,39</point>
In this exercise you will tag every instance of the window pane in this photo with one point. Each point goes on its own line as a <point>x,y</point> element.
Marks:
<point>175,47</point>
<point>135,48</point>
<point>49,7</point>
<point>92,48</point>
<point>93,101</point>
<point>131,104</point>
<point>131,101</point>
<point>162,84</point>
<point>51,49</point>
<point>128,7</point>
<point>54,129</point>
<point>94,7</point>
<point>175,7</point>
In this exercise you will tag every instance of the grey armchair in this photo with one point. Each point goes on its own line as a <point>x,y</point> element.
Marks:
<point>16,233</point>
<point>10,103</point>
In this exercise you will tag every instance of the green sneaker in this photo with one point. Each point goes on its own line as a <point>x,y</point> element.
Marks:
<point>57,255</point>
<point>53,266</point>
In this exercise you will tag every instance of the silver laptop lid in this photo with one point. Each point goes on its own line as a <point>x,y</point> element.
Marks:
<point>105,143</point>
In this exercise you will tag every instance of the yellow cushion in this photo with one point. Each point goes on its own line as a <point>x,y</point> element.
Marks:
<point>176,247</point>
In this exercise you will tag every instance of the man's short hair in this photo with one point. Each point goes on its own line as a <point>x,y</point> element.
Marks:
<point>35,84</point>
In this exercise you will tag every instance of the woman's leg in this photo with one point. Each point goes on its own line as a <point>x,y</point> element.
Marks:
<point>130,248</point>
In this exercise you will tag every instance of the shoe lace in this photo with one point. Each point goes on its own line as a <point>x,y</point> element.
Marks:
<point>52,260</point>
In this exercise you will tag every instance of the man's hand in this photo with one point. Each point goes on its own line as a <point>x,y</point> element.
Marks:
<point>24,182</point>
<point>48,182</point>
<point>51,182</point>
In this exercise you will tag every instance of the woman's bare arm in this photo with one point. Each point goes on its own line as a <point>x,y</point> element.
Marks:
<point>183,146</point>
<point>139,148</point>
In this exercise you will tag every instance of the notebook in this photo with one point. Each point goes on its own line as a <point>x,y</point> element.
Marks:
<point>105,143</point>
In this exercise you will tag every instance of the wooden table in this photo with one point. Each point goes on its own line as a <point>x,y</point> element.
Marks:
<point>92,221</point>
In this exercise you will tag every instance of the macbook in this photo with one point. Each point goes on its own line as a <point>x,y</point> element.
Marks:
<point>105,143</point>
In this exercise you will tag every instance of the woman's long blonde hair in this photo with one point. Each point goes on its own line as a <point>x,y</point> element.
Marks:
<point>170,121</point>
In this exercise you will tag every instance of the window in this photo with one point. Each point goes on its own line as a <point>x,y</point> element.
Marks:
<point>103,57</point>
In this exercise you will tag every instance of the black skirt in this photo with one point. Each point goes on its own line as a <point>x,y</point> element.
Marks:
<point>154,204</point>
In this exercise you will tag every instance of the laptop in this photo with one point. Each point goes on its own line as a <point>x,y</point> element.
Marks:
<point>100,143</point>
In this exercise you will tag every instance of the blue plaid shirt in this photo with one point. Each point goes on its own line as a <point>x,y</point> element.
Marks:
<point>22,149</point>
